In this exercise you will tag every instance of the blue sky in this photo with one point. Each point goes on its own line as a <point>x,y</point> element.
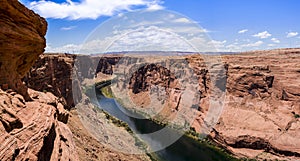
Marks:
<point>231,25</point>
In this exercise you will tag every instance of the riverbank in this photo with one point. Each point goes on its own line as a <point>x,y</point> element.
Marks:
<point>89,148</point>
<point>105,90</point>
<point>138,141</point>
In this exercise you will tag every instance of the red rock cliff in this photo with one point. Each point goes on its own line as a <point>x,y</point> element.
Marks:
<point>21,42</point>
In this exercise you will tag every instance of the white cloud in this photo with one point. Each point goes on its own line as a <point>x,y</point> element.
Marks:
<point>219,45</point>
<point>89,9</point>
<point>246,40</point>
<point>170,16</point>
<point>275,40</point>
<point>146,23</point>
<point>141,39</point>
<point>216,42</point>
<point>291,34</point>
<point>257,43</point>
<point>271,45</point>
<point>188,29</point>
<point>233,47</point>
<point>182,20</point>
<point>153,7</point>
<point>68,28</point>
<point>68,48</point>
<point>202,44</point>
<point>150,39</point>
<point>243,31</point>
<point>262,35</point>
<point>236,47</point>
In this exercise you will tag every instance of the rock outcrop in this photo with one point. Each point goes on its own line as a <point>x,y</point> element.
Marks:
<point>56,73</point>
<point>151,74</point>
<point>261,111</point>
<point>53,73</point>
<point>34,130</point>
<point>21,41</point>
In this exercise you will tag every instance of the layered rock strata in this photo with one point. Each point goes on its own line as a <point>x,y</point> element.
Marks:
<point>21,41</point>
<point>34,130</point>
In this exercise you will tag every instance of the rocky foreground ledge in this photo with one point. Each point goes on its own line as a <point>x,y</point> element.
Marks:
<point>34,130</point>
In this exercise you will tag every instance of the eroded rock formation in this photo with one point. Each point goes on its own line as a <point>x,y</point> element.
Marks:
<point>53,73</point>
<point>151,74</point>
<point>34,130</point>
<point>21,41</point>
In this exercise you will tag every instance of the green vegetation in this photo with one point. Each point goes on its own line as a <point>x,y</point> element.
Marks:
<point>119,123</point>
<point>154,157</point>
<point>204,141</point>
<point>213,150</point>
<point>138,142</point>
<point>107,92</point>
<point>296,115</point>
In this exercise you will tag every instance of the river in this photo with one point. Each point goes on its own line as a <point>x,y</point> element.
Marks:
<point>184,149</point>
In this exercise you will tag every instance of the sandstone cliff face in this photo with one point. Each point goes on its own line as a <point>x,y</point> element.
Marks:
<point>62,74</point>
<point>260,117</point>
<point>105,64</point>
<point>151,74</point>
<point>261,113</point>
<point>21,41</point>
<point>53,73</point>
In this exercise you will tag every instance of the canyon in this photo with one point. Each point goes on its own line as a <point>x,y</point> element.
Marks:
<point>260,115</point>
<point>257,117</point>
<point>261,108</point>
